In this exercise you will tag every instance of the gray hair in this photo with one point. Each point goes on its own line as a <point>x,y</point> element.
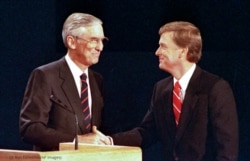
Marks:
<point>75,21</point>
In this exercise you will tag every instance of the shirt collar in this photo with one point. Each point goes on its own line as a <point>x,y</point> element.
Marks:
<point>76,71</point>
<point>186,78</point>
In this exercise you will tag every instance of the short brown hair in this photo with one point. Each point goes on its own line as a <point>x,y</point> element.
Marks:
<point>185,34</point>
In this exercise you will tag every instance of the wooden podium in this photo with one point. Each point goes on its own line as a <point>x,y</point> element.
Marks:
<point>86,152</point>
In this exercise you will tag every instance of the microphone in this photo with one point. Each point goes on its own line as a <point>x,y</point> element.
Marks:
<point>76,132</point>
<point>56,100</point>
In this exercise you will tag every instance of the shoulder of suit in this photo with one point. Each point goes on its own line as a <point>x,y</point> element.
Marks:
<point>95,73</point>
<point>209,76</point>
<point>55,65</point>
<point>207,80</point>
<point>97,76</point>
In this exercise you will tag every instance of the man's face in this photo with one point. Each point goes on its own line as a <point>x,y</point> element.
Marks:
<point>168,53</point>
<point>89,46</point>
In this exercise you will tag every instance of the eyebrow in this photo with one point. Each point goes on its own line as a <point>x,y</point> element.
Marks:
<point>99,38</point>
<point>163,45</point>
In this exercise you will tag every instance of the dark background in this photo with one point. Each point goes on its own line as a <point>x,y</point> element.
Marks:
<point>30,35</point>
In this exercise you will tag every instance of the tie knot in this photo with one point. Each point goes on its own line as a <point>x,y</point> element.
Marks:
<point>177,85</point>
<point>83,77</point>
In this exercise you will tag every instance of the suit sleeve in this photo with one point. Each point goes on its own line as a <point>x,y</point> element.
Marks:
<point>144,135</point>
<point>224,121</point>
<point>34,114</point>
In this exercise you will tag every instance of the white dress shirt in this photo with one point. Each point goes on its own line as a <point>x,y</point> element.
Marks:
<point>77,72</point>
<point>185,80</point>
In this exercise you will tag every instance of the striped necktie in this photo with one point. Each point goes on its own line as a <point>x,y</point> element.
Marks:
<point>85,104</point>
<point>177,102</point>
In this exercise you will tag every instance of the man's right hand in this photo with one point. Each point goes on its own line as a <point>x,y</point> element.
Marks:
<point>95,137</point>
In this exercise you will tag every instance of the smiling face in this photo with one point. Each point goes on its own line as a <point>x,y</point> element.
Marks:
<point>169,53</point>
<point>85,49</point>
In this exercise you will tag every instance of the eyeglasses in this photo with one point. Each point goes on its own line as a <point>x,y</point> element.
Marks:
<point>94,41</point>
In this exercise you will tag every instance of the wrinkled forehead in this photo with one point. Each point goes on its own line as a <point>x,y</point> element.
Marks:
<point>95,30</point>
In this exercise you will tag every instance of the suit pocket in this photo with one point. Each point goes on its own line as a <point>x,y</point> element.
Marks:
<point>58,103</point>
<point>61,117</point>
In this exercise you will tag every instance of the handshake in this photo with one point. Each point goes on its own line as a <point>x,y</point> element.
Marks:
<point>95,137</point>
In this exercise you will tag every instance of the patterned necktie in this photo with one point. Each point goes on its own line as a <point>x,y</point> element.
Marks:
<point>177,103</point>
<point>85,104</point>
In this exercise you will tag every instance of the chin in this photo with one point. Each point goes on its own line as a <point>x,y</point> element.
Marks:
<point>162,67</point>
<point>95,62</point>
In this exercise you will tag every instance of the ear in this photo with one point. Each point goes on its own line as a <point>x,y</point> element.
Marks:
<point>71,41</point>
<point>184,52</point>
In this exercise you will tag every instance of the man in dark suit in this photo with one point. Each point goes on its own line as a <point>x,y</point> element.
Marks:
<point>197,123</point>
<point>52,109</point>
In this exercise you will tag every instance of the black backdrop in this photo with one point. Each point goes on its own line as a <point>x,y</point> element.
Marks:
<point>31,36</point>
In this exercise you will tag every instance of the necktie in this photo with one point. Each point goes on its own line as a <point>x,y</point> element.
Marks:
<point>177,103</point>
<point>85,104</point>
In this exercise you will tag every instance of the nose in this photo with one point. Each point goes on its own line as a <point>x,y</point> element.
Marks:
<point>99,46</point>
<point>157,52</point>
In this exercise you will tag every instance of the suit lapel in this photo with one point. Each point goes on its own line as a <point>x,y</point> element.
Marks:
<point>70,91</point>
<point>189,103</point>
<point>97,100</point>
<point>168,108</point>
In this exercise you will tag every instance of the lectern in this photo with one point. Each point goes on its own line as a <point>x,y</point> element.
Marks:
<point>85,152</point>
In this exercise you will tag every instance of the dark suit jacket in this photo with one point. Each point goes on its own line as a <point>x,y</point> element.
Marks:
<point>208,128</point>
<point>51,106</point>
